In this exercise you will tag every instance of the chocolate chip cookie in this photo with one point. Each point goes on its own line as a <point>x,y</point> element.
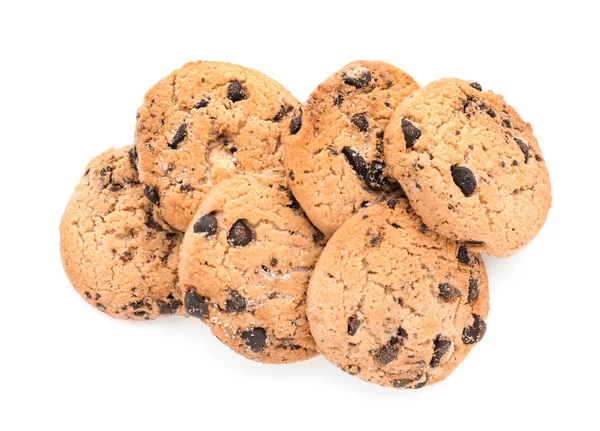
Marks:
<point>246,259</point>
<point>204,123</point>
<point>334,145</point>
<point>117,252</point>
<point>392,302</point>
<point>471,167</point>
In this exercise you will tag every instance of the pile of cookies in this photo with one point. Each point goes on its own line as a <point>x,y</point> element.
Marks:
<point>349,225</point>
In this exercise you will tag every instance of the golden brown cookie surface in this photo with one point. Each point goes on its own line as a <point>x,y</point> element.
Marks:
<point>394,303</point>
<point>203,123</point>
<point>334,147</point>
<point>117,253</point>
<point>471,167</point>
<point>245,264</point>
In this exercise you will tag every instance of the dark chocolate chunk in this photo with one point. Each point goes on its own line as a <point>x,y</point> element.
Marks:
<point>524,147</point>
<point>180,135</point>
<point>282,111</point>
<point>423,228</point>
<point>448,292</point>
<point>463,255</point>
<point>374,177</point>
<point>235,91</point>
<point>356,161</point>
<point>401,332</point>
<point>419,385</point>
<point>137,305</point>
<point>410,131</point>
<point>195,305</point>
<point>240,234</point>
<point>206,224</point>
<point>338,100</point>
<point>476,85</point>
<point>440,347</point>
<point>353,325</point>
<point>388,353</point>
<point>255,338</point>
<point>464,178</point>
<point>360,121</point>
<point>170,307</point>
<point>295,125</point>
<point>235,303</point>
<point>474,333</point>
<point>152,194</point>
<point>202,103</point>
<point>359,81</point>
<point>133,157</point>
<point>473,290</point>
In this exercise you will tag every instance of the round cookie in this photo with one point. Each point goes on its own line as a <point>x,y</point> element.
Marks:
<point>204,123</point>
<point>470,166</point>
<point>334,145</point>
<point>245,264</point>
<point>392,302</point>
<point>117,253</point>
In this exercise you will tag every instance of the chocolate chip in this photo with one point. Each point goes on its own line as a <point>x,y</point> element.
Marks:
<point>356,161</point>
<point>474,333</point>
<point>463,255</point>
<point>133,157</point>
<point>240,234</point>
<point>360,121</point>
<point>376,240</point>
<point>338,100</point>
<point>202,103</point>
<point>388,353</point>
<point>440,347</point>
<point>515,163</point>
<point>235,303</point>
<point>401,332</point>
<point>392,203</point>
<point>195,305</point>
<point>353,325</point>
<point>423,228</point>
<point>295,125</point>
<point>274,262</point>
<point>374,177</point>
<point>448,292</point>
<point>473,290</point>
<point>282,111</point>
<point>137,304</point>
<point>235,91</point>
<point>524,147</point>
<point>139,313</point>
<point>411,132</point>
<point>206,224</point>
<point>357,78</point>
<point>255,338</point>
<point>476,85</point>
<point>507,122</point>
<point>179,136</point>
<point>152,194</point>
<point>169,307</point>
<point>87,295</point>
<point>464,179</point>
<point>491,112</point>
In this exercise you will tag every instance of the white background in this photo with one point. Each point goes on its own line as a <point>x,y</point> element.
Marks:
<point>72,77</point>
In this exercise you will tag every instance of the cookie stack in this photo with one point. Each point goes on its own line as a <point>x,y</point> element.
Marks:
<point>350,225</point>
